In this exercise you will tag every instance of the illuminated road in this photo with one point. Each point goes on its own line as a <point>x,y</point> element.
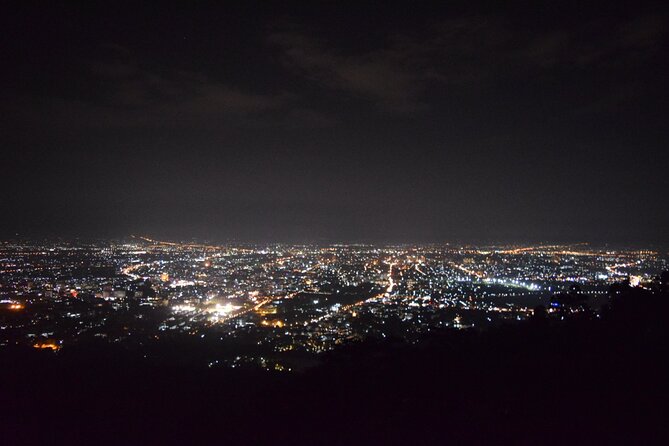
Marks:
<point>374,298</point>
<point>467,271</point>
<point>391,282</point>
<point>129,270</point>
<point>241,312</point>
<point>415,265</point>
<point>613,270</point>
<point>188,245</point>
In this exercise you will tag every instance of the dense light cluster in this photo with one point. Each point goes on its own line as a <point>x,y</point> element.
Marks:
<point>278,306</point>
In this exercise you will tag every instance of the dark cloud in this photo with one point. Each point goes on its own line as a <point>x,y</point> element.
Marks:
<point>392,123</point>
<point>123,94</point>
<point>402,72</point>
<point>386,76</point>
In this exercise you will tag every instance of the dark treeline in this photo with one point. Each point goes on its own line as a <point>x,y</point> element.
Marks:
<point>587,379</point>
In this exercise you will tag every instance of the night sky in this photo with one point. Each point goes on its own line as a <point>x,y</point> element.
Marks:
<point>342,121</point>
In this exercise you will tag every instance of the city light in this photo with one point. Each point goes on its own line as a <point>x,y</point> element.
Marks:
<point>299,299</point>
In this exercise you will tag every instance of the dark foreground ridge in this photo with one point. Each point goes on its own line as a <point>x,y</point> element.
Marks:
<point>584,380</point>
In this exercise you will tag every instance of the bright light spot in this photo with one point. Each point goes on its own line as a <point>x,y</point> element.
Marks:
<point>184,308</point>
<point>47,345</point>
